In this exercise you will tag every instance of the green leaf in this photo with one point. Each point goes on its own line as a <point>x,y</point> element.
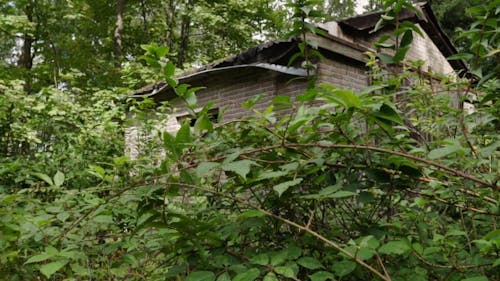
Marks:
<point>79,270</point>
<point>407,39</point>
<point>368,242</point>
<point>51,251</point>
<point>296,124</point>
<point>387,112</point>
<point>270,277</point>
<point>118,271</point>
<point>343,97</point>
<point>290,167</point>
<point>252,214</point>
<point>385,45</point>
<point>190,98</point>
<point>360,253</point>
<point>456,232</point>
<point>72,255</point>
<point>394,248</point>
<point>261,259</point>
<point>461,56</point>
<point>63,216</point>
<point>170,145</point>
<point>271,175</point>
<point>250,103</point>
<point>242,167</point>
<point>231,157</point>
<point>492,52</point>
<point>284,186</point>
<point>104,219</point>
<point>412,26</point>
<point>452,147</point>
<point>169,70</point>
<point>385,58</point>
<point>183,136</point>
<point>308,96</point>
<point>248,275</point>
<point>290,270</point>
<point>155,50</point>
<point>203,123</point>
<point>293,252</point>
<point>324,193</point>
<point>343,268</point>
<point>341,194</point>
<point>200,276</point>
<point>378,25</point>
<point>153,62</point>
<point>493,235</point>
<point>205,168</point>
<point>279,257</point>
<point>309,263</point>
<point>38,258</point>
<point>97,171</point>
<point>224,277</point>
<point>161,51</point>
<point>58,179</point>
<point>431,250</point>
<point>321,276</point>
<point>51,268</point>
<point>181,90</point>
<point>193,90</point>
<point>172,82</point>
<point>400,54</point>
<point>282,100</point>
<point>45,178</point>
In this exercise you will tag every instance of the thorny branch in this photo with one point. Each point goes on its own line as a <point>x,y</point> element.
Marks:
<point>291,223</point>
<point>364,147</point>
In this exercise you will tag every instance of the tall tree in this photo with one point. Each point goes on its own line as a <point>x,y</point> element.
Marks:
<point>26,57</point>
<point>185,32</point>
<point>120,6</point>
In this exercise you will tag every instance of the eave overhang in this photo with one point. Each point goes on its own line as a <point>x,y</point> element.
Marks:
<point>162,87</point>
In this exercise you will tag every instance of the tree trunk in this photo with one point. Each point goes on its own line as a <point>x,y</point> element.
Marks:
<point>185,32</point>
<point>170,18</point>
<point>26,58</point>
<point>120,6</point>
<point>144,14</point>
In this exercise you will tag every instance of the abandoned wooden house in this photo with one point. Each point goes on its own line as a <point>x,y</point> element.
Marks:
<point>264,69</point>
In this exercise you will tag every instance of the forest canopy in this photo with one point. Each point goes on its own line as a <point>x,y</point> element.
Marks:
<point>398,181</point>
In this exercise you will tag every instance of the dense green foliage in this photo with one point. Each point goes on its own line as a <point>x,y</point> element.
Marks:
<point>395,182</point>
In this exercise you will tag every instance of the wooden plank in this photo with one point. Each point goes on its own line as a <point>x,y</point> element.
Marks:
<point>337,46</point>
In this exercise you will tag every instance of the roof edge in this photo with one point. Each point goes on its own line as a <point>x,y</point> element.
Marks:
<point>428,21</point>
<point>161,87</point>
<point>447,47</point>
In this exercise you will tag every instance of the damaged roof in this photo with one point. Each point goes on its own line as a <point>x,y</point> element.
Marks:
<point>269,55</point>
<point>274,55</point>
<point>366,23</point>
<point>161,87</point>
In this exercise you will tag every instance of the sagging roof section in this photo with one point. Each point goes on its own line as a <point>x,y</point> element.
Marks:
<point>269,52</point>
